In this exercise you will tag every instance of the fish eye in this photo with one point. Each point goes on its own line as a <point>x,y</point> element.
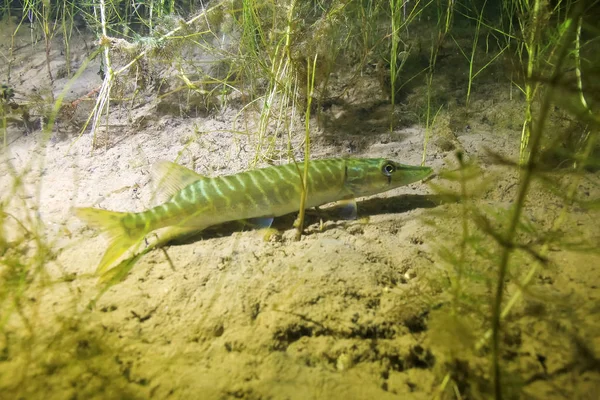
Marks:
<point>388,169</point>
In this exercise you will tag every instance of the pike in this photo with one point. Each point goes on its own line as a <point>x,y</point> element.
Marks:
<point>194,202</point>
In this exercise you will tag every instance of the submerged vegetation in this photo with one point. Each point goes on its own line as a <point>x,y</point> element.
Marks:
<point>292,68</point>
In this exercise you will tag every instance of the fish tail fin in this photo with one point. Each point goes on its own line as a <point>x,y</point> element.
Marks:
<point>110,223</point>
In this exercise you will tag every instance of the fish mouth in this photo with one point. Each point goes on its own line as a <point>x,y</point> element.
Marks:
<point>425,172</point>
<point>416,170</point>
<point>411,173</point>
<point>429,176</point>
<point>422,173</point>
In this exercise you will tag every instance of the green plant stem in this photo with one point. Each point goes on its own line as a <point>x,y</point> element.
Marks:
<point>577,56</point>
<point>67,26</point>
<point>311,72</point>
<point>465,233</point>
<point>281,79</point>
<point>449,16</point>
<point>430,122</point>
<point>473,51</point>
<point>509,237</point>
<point>400,20</point>
<point>4,128</point>
<point>530,87</point>
<point>47,35</point>
<point>395,6</point>
<point>103,103</point>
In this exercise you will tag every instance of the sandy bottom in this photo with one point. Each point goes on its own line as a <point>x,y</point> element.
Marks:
<point>355,310</point>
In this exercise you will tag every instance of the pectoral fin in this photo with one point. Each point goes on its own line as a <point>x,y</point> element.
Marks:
<point>347,208</point>
<point>261,222</point>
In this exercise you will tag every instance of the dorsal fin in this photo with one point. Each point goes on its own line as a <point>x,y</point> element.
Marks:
<point>169,178</point>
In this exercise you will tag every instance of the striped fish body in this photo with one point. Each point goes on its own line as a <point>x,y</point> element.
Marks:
<point>196,202</point>
<point>271,191</point>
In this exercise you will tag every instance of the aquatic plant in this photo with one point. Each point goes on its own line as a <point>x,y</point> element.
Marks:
<point>495,242</point>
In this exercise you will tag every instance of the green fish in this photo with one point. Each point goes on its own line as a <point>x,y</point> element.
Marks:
<point>194,202</point>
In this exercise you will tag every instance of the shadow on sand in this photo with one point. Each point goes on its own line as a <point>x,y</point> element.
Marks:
<point>366,208</point>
